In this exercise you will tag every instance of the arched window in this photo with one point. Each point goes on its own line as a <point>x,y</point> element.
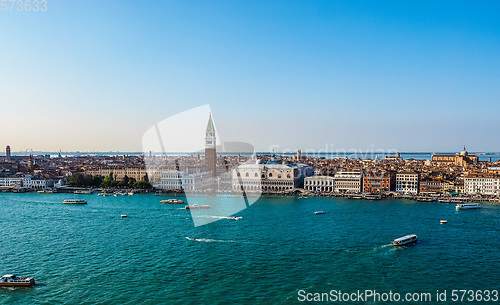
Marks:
<point>270,175</point>
<point>238,174</point>
<point>255,175</point>
<point>247,175</point>
<point>279,176</point>
<point>288,176</point>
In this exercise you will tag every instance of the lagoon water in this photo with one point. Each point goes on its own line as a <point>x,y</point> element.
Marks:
<point>89,255</point>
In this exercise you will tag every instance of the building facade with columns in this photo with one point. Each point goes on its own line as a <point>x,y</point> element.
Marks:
<point>319,184</point>
<point>270,177</point>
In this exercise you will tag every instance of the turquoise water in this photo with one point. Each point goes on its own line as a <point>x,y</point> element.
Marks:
<point>89,255</point>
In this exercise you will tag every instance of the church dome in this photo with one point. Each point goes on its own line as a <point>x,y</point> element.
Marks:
<point>464,153</point>
<point>273,160</point>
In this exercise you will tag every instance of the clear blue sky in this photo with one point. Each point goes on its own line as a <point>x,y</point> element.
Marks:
<point>406,75</point>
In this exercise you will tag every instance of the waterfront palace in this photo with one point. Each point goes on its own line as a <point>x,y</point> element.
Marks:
<point>456,174</point>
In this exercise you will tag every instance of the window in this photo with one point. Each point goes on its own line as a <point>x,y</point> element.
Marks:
<point>247,175</point>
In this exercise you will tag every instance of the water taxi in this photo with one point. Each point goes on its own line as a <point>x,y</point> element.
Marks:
<point>74,201</point>
<point>443,221</point>
<point>405,240</point>
<point>468,206</point>
<point>10,280</point>
<point>172,201</point>
<point>104,194</point>
<point>319,212</point>
<point>123,216</point>
<point>197,207</point>
<point>235,217</point>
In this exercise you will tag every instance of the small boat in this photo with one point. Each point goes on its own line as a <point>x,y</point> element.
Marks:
<point>443,221</point>
<point>130,193</point>
<point>405,240</point>
<point>424,199</point>
<point>115,194</point>
<point>45,192</point>
<point>83,192</point>
<point>172,201</point>
<point>235,217</point>
<point>319,212</point>
<point>74,201</point>
<point>123,216</point>
<point>468,206</point>
<point>10,280</point>
<point>104,194</point>
<point>373,197</point>
<point>197,207</point>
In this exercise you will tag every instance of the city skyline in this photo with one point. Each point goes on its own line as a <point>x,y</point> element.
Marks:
<point>292,74</point>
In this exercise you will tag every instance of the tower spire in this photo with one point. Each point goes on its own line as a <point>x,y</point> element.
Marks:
<point>210,147</point>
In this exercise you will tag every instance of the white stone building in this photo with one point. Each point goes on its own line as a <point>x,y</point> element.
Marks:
<point>319,184</point>
<point>482,184</point>
<point>270,177</point>
<point>11,181</point>
<point>176,180</point>
<point>348,182</point>
<point>407,182</point>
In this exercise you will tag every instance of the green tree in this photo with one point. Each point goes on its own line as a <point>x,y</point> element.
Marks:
<point>109,181</point>
<point>76,179</point>
<point>142,185</point>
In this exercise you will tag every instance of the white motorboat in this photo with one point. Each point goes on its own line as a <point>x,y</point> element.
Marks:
<point>74,201</point>
<point>405,240</point>
<point>468,206</point>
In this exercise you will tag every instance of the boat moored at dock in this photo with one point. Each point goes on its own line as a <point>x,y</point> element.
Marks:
<point>45,192</point>
<point>83,192</point>
<point>74,201</point>
<point>405,240</point>
<point>10,280</point>
<point>468,206</point>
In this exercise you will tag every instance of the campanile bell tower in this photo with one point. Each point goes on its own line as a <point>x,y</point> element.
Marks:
<point>210,147</point>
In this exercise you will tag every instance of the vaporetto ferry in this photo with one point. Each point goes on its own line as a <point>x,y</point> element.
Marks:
<point>405,240</point>
<point>468,206</point>
<point>10,280</point>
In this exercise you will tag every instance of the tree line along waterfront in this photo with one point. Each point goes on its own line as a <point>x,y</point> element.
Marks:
<point>82,180</point>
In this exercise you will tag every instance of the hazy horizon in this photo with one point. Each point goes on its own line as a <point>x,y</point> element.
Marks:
<point>94,75</point>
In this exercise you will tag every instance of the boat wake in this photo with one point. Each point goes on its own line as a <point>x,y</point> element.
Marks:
<point>209,240</point>
<point>221,217</point>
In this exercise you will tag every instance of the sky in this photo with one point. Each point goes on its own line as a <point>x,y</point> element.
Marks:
<point>334,75</point>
